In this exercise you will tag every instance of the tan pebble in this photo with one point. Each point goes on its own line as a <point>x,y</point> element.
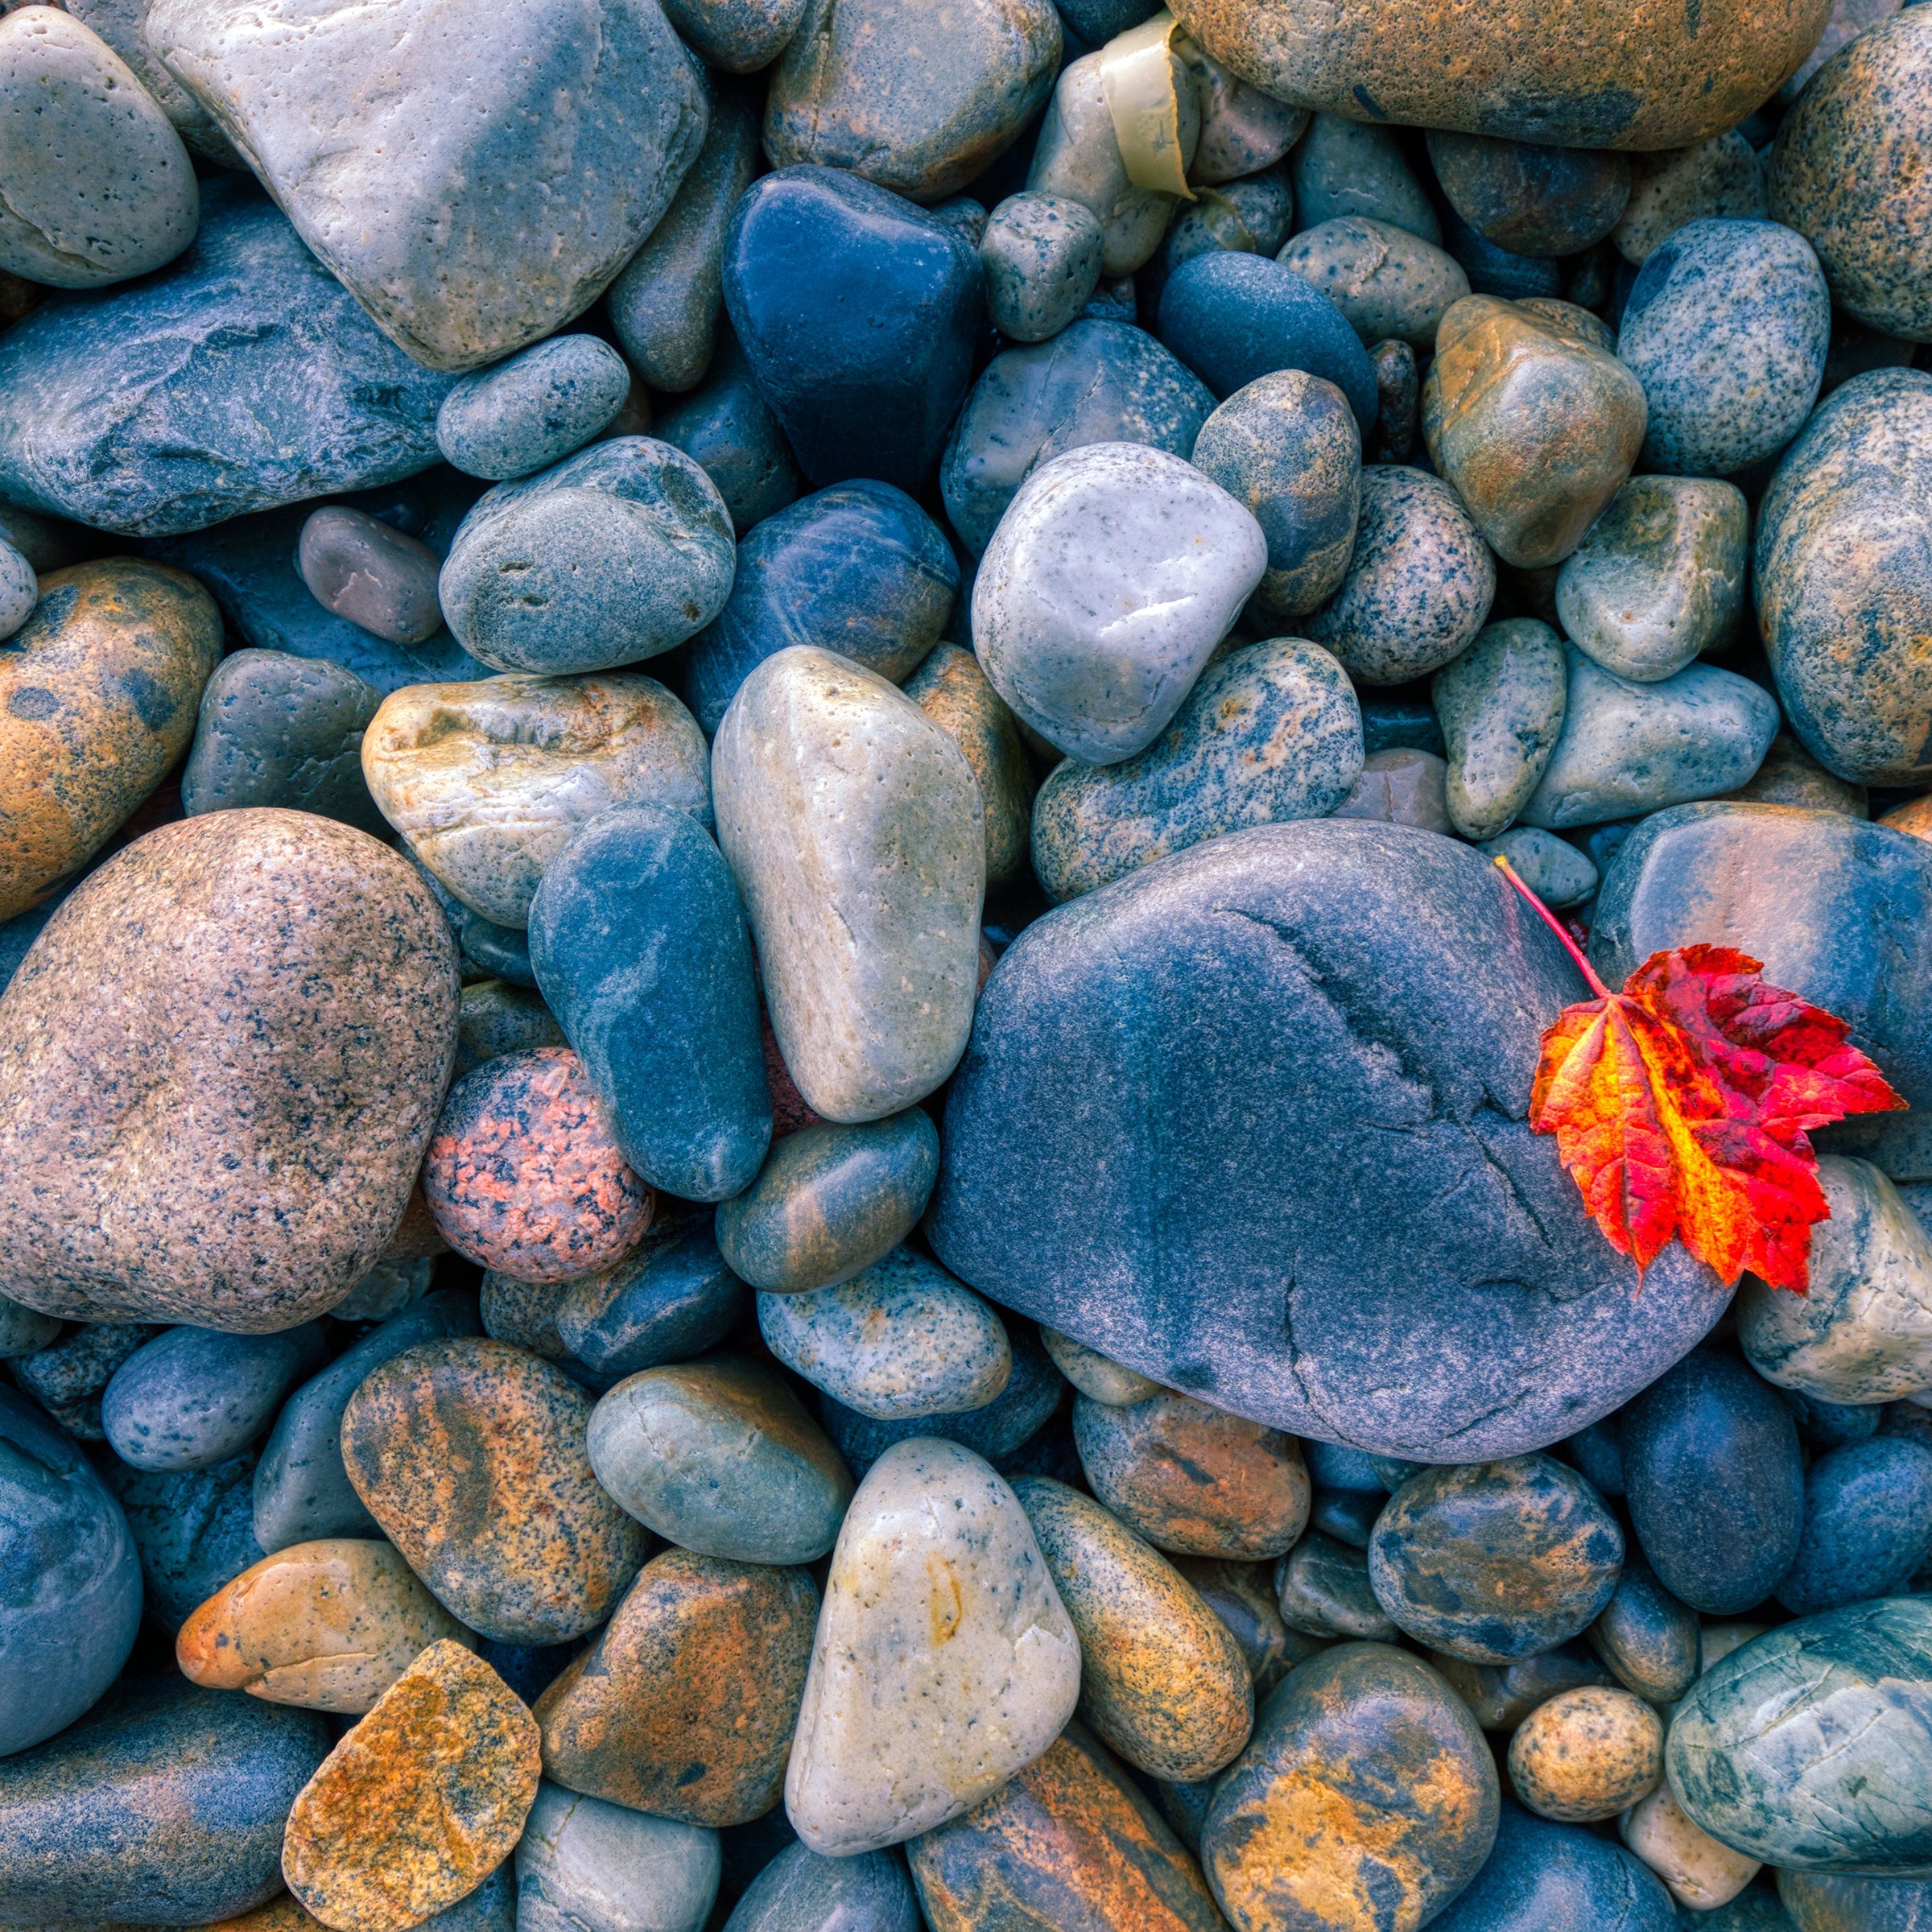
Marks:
<point>1587,1754</point>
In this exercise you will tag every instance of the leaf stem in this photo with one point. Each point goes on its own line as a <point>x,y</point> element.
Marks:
<point>1556,926</point>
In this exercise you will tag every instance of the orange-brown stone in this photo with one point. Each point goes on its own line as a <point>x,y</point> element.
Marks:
<point>282,1914</point>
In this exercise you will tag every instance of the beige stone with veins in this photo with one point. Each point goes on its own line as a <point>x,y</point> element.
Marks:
<point>1700,1871</point>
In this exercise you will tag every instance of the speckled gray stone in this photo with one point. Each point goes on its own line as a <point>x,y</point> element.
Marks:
<point>1727,328</point>
<point>1269,733</point>
<point>98,185</point>
<point>1323,1591</point>
<point>425,203</point>
<point>23,1331</point>
<point>1355,167</point>
<point>1096,381</point>
<point>1041,255</point>
<point>523,416</point>
<point>67,1377</point>
<point>1253,217</point>
<point>1629,748</point>
<point>1502,706</point>
<point>242,375</point>
<point>727,428</point>
<point>1530,198</point>
<point>1114,573</point>
<point>670,1300</point>
<point>194,1396</point>
<point>1387,282</point>
<point>494,1016</point>
<point>1419,584</point>
<point>1559,873</point>
<point>617,553</point>
<point>19,590</point>
<point>737,36</point>
<point>801,1891</point>
<point>1661,577</point>
<point>664,305</point>
<point>584,1865</point>
<point>901,1339</point>
<point>1721,176</point>
<point>1286,446</point>
<point>192,1529</point>
<point>123,25</point>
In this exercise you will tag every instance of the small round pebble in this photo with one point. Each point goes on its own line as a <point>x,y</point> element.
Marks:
<point>1095,1375</point>
<point>1721,176</point>
<point>1700,1871</point>
<point>19,590</point>
<point>523,416</point>
<point>1587,1754</point>
<point>1868,1524</point>
<point>1559,873</point>
<point>1647,1637</point>
<point>1385,281</point>
<point>581,1861</point>
<point>193,1397</point>
<point>1354,168</point>
<point>1042,258</point>
<point>1322,1589</point>
<point>380,578</point>
<point>1531,199</point>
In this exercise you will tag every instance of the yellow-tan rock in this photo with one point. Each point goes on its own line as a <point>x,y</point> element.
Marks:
<point>1587,1754</point>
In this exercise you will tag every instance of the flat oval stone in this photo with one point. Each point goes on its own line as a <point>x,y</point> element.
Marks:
<point>1501,704</point>
<point>514,1536</point>
<point>489,781</point>
<point>1660,577</point>
<point>1805,1747</point>
<point>1041,255</point>
<point>1385,281</point>
<point>1091,626</point>
<point>582,1861</point>
<point>1266,1251</point>
<point>1714,1482</point>
<point>684,1706</point>
<point>859,569</point>
<point>1700,1872</point>
<point>1647,1637</point>
<point>801,1891</point>
<point>1500,1696</point>
<point>1838,174</point>
<point>943,1661</point>
<point>1726,327</point>
<point>718,1457</point>
<point>1541,1875</point>
<point>380,578</point>
<point>1627,750</point>
<point>670,1299</point>
<point>194,1396</point>
<point>99,187</point>
<point>1092,1374</point>
<point>1344,166</point>
<point>900,1339</point>
<point>295,929</point>
<point>1868,1524</point>
<point>870,963</point>
<point>1366,1762</point>
<point>524,1175</point>
<point>420,1802</point>
<point>1419,583</point>
<point>727,429</point>
<point>617,553</point>
<point>1071,1836</point>
<point>192,1529</point>
<point>523,416</point>
<point>1557,872</point>
<point>1162,1678</point>
<point>329,1625</point>
<point>1817,1902</point>
<point>100,689</point>
<point>1721,176</point>
<point>1587,1754</point>
<point>1530,198</point>
<point>858,312</point>
<point>1323,1590</point>
<point>1097,381</point>
<point>845,93</point>
<point>1535,424</point>
<point>1495,1561</point>
<point>1269,733</point>
<point>1193,1478</point>
<point>951,689</point>
<point>641,948</point>
<point>70,1584</point>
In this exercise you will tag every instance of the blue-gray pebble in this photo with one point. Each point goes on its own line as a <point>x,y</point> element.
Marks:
<point>1559,873</point>
<point>727,428</point>
<point>801,1891</point>
<point>1545,1877</point>
<point>667,1301</point>
<point>1868,1524</point>
<point>193,1529</point>
<point>524,415</point>
<point>1493,270</point>
<point>195,1397</point>
<point>1649,1640</point>
<point>642,951</point>
<point>1817,1902</point>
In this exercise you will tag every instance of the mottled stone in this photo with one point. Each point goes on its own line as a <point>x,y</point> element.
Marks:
<point>319,943</point>
<point>1093,1374</point>
<point>1842,175</point>
<point>858,569</point>
<point>1096,382</point>
<point>1587,1754</point>
<point>1419,583</point>
<point>1367,1793</point>
<point>858,312</point>
<point>1805,1748</point>
<point>727,429</point>
<point>495,1018</point>
<point>1041,255</point>
<point>1602,79</point>
<point>684,1706</point>
<point>1243,1596</point>
<point>194,1396</point>
<point>379,578</point>
<point>420,1802</point>
<point>852,825</point>
<point>943,1661</point>
<point>1530,197</point>
<point>1252,216</point>
<point>1346,166</point>
<point>1542,1877</point>
<point>1385,281</point>
<point>1868,1524</point>
<point>1501,703</point>
<point>718,1457</point>
<point>523,416</point>
<point>1321,1589</point>
<point>739,36</point>
<point>1535,424</point>
<point>328,1625</point>
<point>1715,1483</point>
<point>1700,1871</point>
<point>469,1453</point>
<point>99,690</point>
<point>1071,1842</point>
<point>1242,129</point>
<point>1817,1902</point>
<point>952,690</point>
<point>1647,1637</point>
<point>1401,787</point>
<point>799,1891</point>
<point>24,1331</point>
<point>192,1529</point>
<point>583,1863</point>
<point>241,375</point>
<point>1500,1696</point>
<point>1722,176</point>
<point>1660,577</point>
<point>1397,398</point>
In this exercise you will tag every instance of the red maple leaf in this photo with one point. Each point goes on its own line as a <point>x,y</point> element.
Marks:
<point>1682,1107</point>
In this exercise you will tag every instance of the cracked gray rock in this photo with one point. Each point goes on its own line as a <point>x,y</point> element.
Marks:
<point>1251,1120</point>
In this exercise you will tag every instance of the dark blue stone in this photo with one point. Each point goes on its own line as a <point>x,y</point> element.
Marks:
<point>1754,1910</point>
<point>1232,317</point>
<point>642,951</point>
<point>669,1302</point>
<point>242,375</point>
<point>530,1669</point>
<point>503,951</point>
<point>857,312</point>
<point>1647,1637</point>
<point>1498,271</point>
<point>800,1892</point>
<point>1817,1901</point>
<point>1832,1425</point>
<point>70,1583</point>
<point>1347,1515</point>
<point>1334,1466</point>
<point>859,568</point>
<point>195,1531</point>
<point>1868,1524</point>
<point>1596,1454</point>
<point>1544,1877</point>
<point>1716,1483</point>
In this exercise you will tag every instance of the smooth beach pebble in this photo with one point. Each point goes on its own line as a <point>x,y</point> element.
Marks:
<point>524,415</point>
<point>1095,1375</point>
<point>1385,281</point>
<point>955,692</point>
<point>192,1397</point>
<point>1700,1872</point>
<point>1587,1754</point>
<point>380,579</point>
<point>1042,258</point>
<point>1500,703</point>
<point>1531,199</point>
<point>581,1861</point>
<point>1500,1696</point>
<point>1321,1589</point>
<point>1721,176</point>
<point>1647,1637</point>
<point>1541,1875</point>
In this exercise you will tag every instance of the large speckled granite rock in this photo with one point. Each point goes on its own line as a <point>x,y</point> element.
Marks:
<point>1602,77</point>
<point>228,1188</point>
<point>1238,1026</point>
<point>242,375</point>
<point>413,180</point>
